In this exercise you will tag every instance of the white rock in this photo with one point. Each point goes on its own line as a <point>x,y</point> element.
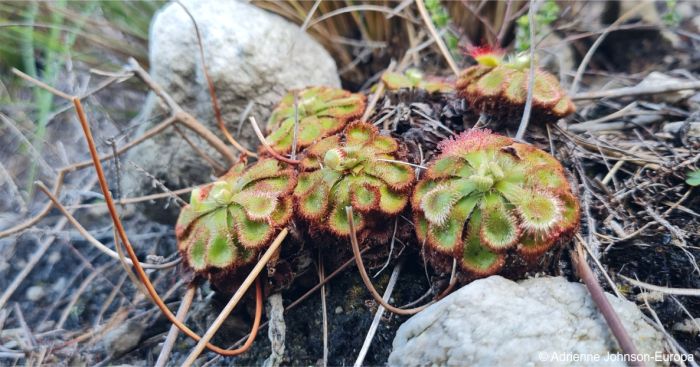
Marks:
<point>690,326</point>
<point>251,56</point>
<point>497,322</point>
<point>35,293</point>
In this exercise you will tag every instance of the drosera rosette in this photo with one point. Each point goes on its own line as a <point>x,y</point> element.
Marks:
<point>358,168</point>
<point>493,205</point>
<point>497,87</point>
<point>228,222</point>
<point>486,57</point>
<point>321,111</point>
<point>415,79</point>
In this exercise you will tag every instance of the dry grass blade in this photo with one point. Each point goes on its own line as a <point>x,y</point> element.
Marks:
<point>172,333</point>
<point>637,91</point>
<point>657,288</point>
<point>436,36</point>
<point>376,95</point>
<point>377,316</point>
<point>267,146</point>
<point>356,8</point>
<point>324,311</point>
<point>531,75</point>
<point>402,162</point>
<point>41,84</point>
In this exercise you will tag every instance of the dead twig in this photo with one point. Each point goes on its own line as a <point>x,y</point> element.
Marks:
<point>324,311</point>
<point>637,90</point>
<point>692,292</point>
<point>267,146</point>
<point>377,94</point>
<point>58,182</point>
<point>531,75</point>
<point>603,304</point>
<point>378,316</point>
<point>172,333</point>
<point>134,200</point>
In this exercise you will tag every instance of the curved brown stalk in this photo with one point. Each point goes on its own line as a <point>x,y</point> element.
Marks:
<point>267,146</point>
<point>453,281</point>
<point>119,227</point>
<point>212,90</point>
<point>365,278</point>
<point>603,304</point>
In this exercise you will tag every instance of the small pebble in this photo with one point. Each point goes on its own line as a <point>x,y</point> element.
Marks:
<point>123,338</point>
<point>54,257</point>
<point>651,297</point>
<point>35,293</point>
<point>689,326</point>
<point>59,285</point>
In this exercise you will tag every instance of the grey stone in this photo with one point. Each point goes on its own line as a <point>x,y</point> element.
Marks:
<point>252,56</point>
<point>675,127</point>
<point>537,322</point>
<point>123,338</point>
<point>35,293</point>
<point>690,326</point>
